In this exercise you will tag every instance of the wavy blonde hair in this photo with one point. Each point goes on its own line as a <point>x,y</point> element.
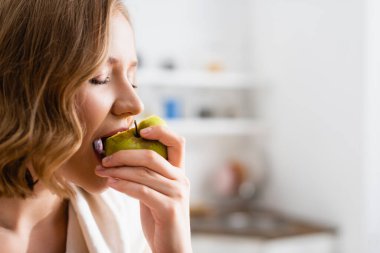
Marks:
<point>47,50</point>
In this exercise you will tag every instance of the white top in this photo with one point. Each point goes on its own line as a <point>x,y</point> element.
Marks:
<point>104,223</point>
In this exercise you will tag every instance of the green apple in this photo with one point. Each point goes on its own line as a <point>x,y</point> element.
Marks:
<point>131,139</point>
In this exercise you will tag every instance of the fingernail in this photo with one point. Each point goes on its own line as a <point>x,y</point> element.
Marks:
<point>145,130</point>
<point>106,159</point>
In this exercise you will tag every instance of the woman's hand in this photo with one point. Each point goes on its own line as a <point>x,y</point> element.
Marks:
<point>160,185</point>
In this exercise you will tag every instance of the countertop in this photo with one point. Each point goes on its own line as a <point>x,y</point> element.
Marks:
<point>255,222</point>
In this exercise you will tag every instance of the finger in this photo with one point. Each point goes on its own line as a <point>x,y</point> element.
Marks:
<point>142,158</point>
<point>142,176</point>
<point>149,197</point>
<point>174,142</point>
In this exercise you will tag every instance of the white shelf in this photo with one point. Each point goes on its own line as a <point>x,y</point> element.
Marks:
<point>202,79</point>
<point>216,126</point>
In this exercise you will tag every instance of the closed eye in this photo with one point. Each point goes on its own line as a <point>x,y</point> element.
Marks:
<point>97,81</point>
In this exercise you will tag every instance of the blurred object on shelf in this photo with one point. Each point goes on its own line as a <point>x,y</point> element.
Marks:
<point>233,183</point>
<point>229,178</point>
<point>227,110</point>
<point>247,190</point>
<point>205,112</point>
<point>168,64</point>
<point>230,112</point>
<point>172,108</point>
<point>201,210</point>
<point>215,67</point>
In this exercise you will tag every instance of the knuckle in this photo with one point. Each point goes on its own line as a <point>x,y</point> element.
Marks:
<point>143,172</point>
<point>177,193</point>
<point>171,208</point>
<point>184,180</point>
<point>144,190</point>
<point>181,140</point>
<point>180,194</point>
<point>181,191</point>
<point>150,156</point>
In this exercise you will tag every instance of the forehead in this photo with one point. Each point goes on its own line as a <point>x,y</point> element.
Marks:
<point>122,43</point>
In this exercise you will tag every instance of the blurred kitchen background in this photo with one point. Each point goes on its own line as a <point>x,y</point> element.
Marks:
<point>280,105</point>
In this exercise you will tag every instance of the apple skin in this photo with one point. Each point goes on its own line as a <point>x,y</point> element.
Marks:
<point>153,120</point>
<point>128,139</point>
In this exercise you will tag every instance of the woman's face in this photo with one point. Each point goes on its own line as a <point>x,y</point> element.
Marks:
<point>107,103</point>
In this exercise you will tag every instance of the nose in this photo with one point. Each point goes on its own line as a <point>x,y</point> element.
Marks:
<point>127,101</point>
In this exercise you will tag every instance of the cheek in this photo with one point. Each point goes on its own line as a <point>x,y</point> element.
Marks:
<point>94,109</point>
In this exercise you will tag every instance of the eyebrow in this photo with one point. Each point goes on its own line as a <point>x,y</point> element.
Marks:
<point>113,60</point>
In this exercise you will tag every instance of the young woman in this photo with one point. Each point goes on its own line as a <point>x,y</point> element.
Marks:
<point>67,78</point>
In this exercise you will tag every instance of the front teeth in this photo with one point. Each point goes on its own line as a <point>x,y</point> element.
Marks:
<point>98,146</point>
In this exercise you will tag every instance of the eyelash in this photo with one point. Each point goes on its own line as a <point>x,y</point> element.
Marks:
<point>100,82</point>
<point>134,86</point>
<point>107,80</point>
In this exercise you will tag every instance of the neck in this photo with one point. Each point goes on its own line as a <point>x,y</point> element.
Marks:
<point>44,207</point>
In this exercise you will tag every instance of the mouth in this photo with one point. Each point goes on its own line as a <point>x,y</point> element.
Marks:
<point>99,144</point>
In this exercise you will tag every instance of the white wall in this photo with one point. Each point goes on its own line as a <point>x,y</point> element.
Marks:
<point>191,32</point>
<point>372,131</point>
<point>313,52</point>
